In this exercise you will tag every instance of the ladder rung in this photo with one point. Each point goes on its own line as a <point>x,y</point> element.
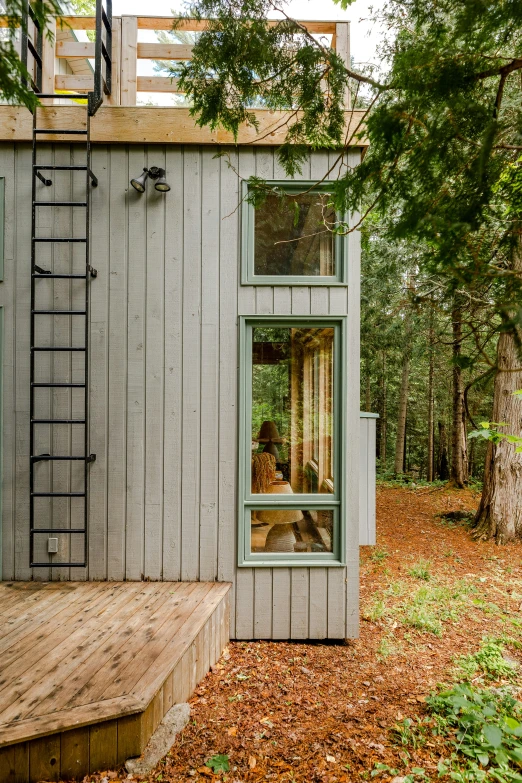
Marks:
<point>58,421</point>
<point>58,385</point>
<point>52,348</point>
<point>60,203</point>
<point>75,95</point>
<point>58,565</point>
<point>58,494</point>
<point>59,239</point>
<point>61,131</point>
<point>39,167</point>
<point>50,276</point>
<point>59,312</point>
<point>46,457</point>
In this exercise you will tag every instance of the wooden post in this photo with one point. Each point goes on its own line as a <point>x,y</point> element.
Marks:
<point>342,45</point>
<point>129,50</point>
<point>115,97</point>
<point>48,59</point>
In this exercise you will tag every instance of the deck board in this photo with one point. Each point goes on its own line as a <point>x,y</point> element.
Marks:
<point>87,654</point>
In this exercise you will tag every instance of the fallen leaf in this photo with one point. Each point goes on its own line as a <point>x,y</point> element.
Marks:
<point>232,732</point>
<point>252,762</point>
<point>331,759</point>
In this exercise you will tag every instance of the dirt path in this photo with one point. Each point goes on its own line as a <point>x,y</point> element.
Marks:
<point>320,712</point>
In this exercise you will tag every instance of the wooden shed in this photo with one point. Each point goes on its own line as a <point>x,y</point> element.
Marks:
<point>180,396</point>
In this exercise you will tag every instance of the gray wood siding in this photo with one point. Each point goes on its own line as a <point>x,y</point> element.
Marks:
<point>163,383</point>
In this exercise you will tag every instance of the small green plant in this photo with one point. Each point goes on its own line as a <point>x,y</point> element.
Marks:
<point>376,610</point>
<point>485,727</point>
<point>421,570</point>
<point>378,555</point>
<point>218,763</point>
<point>410,733</point>
<point>488,663</point>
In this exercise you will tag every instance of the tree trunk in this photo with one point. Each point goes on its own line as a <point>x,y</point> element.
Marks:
<point>442,457</point>
<point>384,414</point>
<point>459,443</point>
<point>430,472</point>
<point>368,398</point>
<point>499,515</point>
<point>403,408</point>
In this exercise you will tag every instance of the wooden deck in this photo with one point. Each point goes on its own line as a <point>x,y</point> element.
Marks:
<point>88,669</point>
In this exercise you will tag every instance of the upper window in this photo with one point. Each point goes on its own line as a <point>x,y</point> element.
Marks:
<point>290,238</point>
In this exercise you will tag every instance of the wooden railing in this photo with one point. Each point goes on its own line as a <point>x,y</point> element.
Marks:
<point>127,50</point>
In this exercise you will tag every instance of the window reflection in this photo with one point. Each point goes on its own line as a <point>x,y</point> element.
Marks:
<point>291,235</point>
<point>291,530</point>
<point>292,410</point>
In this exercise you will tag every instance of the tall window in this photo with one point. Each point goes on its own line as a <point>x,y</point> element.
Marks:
<point>292,443</point>
<point>292,238</point>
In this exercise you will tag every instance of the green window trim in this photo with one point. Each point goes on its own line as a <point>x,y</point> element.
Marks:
<point>2,226</point>
<point>248,277</point>
<point>247,501</point>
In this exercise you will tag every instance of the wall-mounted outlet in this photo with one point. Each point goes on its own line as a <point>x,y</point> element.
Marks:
<point>52,546</point>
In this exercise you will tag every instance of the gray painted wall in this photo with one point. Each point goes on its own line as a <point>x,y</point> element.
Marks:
<point>164,314</point>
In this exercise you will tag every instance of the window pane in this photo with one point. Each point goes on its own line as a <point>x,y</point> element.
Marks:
<point>290,236</point>
<point>292,410</point>
<point>291,530</point>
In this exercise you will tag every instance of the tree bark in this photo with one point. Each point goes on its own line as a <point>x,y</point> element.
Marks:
<point>442,457</point>
<point>459,443</point>
<point>384,414</point>
<point>430,471</point>
<point>403,409</point>
<point>499,515</point>
<point>368,396</point>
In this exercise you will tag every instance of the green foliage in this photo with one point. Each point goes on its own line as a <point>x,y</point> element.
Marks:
<point>488,662</point>
<point>486,729</point>
<point>490,431</point>
<point>411,733</point>
<point>378,555</point>
<point>218,763</point>
<point>421,570</point>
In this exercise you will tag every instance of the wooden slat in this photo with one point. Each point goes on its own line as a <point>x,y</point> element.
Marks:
<point>135,328</point>
<point>157,84</point>
<point>74,754</point>
<point>208,526</point>
<point>73,82</point>
<point>128,73</point>
<point>166,23</point>
<point>342,45</point>
<point>191,376</point>
<point>75,49</point>
<point>146,124</point>
<point>162,51</point>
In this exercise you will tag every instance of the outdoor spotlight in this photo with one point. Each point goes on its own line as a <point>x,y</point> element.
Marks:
<point>154,173</point>
<point>139,183</point>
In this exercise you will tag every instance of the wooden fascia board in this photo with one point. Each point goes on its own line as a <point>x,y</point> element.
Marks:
<point>147,125</point>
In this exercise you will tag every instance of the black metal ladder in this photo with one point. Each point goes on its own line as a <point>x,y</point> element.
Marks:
<point>76,271</point>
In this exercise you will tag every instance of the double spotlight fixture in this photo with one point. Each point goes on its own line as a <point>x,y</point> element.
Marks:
<point>154,173</point>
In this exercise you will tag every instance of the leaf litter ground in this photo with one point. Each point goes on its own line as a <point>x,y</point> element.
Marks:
<point>333,713</point>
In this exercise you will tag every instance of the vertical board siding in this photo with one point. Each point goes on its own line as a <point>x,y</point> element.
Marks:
<point>164,383</point>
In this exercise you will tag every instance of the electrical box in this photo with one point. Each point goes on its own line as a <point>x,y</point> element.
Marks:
<point>52,546</point>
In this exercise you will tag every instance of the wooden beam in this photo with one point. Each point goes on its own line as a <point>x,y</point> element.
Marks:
<point>326,27</point>
<point>128,73</point>
<point>71,82</point>
<point>342,39</point>
<point>159,51</point>
<point>157,84</point>
<point>147,125</point>
<point>74,49</point>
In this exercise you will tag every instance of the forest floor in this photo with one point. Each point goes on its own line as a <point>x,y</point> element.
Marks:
<point>337,713</point>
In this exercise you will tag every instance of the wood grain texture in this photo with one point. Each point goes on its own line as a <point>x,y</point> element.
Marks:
<point>131,124</point>
<point>111,656</point>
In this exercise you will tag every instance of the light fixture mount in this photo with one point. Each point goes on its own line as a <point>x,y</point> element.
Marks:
<point>154,172</point>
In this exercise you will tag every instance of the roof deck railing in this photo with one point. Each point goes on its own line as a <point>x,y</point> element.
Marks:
<point>128,49</point>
